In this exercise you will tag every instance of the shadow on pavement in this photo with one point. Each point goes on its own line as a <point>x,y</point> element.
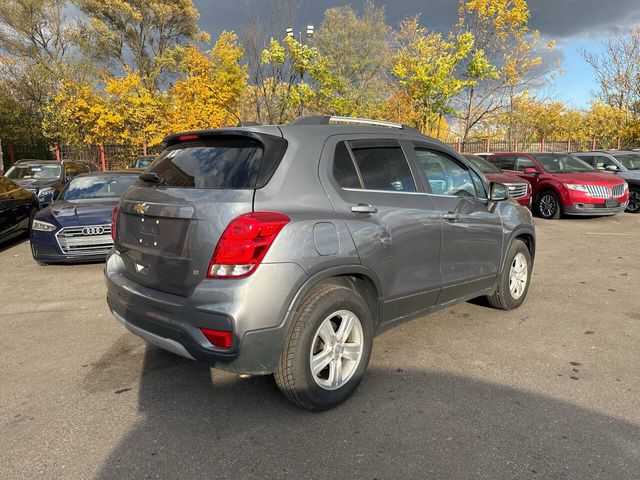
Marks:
<point>201,423</point>
<point>6,245</point>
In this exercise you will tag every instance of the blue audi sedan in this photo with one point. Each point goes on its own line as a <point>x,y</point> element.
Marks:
<point>76,227</point>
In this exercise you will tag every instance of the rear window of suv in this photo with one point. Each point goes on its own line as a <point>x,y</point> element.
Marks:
<point>224,163</point>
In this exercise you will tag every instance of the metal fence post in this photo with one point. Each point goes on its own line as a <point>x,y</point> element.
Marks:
<point>101,148</point>
<point>57,151</point>
<point>458,146</point>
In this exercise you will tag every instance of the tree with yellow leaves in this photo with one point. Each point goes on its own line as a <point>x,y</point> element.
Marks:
<point>503,60</point>
<point>209,95</point>
<point>79,115</point>
<point>425,66</point>
<point>140,111</point>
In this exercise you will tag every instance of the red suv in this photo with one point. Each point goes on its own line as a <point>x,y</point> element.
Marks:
<point>520,190</point>
<point>563,183</point>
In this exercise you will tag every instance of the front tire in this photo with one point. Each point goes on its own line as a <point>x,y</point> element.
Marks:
<point>327,349</point>
<point>513,283</point>
<point>634,200</point>
<point>548,205</point>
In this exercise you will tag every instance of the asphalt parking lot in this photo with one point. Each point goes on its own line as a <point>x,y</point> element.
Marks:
<point>550,390</point>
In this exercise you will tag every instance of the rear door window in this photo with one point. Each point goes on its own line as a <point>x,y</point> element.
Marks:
<point>223,163</point>
<point>344,168</point>
<point>384,168</point>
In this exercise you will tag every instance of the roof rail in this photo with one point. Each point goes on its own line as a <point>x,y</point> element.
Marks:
<point>327,119</point>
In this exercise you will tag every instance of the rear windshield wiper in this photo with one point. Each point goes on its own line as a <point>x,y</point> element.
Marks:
<point>153,177</point>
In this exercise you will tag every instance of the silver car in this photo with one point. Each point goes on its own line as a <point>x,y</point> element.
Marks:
<point>285,249</point>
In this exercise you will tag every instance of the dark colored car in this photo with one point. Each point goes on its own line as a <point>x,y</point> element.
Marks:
<point>519,189</point>
<point>17,207</point>
<point>564,184</point>
<point>286,249</point>
<point>624,164</point>
<point>46,178</point>
<point>77,226</point>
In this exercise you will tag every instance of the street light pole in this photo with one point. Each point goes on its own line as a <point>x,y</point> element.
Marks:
<point>309,33</point>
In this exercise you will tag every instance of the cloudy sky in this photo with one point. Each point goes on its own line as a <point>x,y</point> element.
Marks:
<point>574,24</point>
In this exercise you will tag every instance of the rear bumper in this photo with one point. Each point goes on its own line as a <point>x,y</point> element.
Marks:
<point>590,209</point>
<point>252,308</point>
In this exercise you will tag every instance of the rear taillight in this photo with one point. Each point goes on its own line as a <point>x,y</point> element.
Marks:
<point>218,338</point>
<point>244,244</point>
<point>114,217</point>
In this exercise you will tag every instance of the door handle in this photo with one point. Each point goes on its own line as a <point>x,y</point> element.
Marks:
<point>363,208</point>
<point>452,217</point>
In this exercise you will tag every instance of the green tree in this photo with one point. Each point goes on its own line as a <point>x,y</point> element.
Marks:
<point>146,36</point>
<point>425,67</point>
<point>357,56</point>
<point>288,67</point>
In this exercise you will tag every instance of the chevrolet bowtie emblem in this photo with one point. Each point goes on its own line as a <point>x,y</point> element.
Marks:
<point>141,208</point>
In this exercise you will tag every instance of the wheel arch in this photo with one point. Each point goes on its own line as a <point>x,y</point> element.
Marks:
<point>356,277</point>
<point>527,237</point>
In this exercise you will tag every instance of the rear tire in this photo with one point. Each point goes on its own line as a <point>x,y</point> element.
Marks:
<point>634,200</point>
<point>548,205</point>
<point>333,332</point>
<point>513,283</point>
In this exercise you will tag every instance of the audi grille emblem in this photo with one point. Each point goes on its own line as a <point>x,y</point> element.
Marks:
<point>93,230</point>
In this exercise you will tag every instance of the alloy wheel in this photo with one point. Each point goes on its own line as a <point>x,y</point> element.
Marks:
<point>336,350</point>
<point>634,201</point>
<point>518,276</point>
<point>548,205</point>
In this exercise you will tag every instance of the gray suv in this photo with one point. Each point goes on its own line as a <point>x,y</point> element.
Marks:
<point>286,249</point>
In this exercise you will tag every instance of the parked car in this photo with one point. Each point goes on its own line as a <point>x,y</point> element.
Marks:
<point>286,249</point>
<point>519,189</point>
<point>46,178</point>
<point>142,162</point>
<point>77,227</point>
<point>625,164</point>
<point>564,184</point>
<point>17,207</point>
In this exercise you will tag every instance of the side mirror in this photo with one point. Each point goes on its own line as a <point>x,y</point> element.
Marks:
<point>530,170</point>
<point>612,168</point>
<point>498,192</point>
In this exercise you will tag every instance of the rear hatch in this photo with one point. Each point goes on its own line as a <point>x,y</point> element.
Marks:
<point>170,222</point>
